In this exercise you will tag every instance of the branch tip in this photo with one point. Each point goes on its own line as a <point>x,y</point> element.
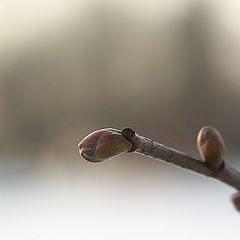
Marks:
<point>107,143</point>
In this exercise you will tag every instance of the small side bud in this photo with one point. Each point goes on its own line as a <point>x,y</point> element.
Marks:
<point>103,144</point>
<point>236,200</point>
<point>211,147</point>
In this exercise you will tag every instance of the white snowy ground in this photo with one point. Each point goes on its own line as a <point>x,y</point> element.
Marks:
<point>63,199</point>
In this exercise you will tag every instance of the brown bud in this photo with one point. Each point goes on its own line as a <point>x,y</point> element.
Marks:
<point>236,200</point>
<point>211,147</point>
<point>103,144</point>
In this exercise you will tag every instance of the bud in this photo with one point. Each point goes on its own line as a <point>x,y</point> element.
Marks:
<point>236,200</point>
<point>211,147</point>
<point>103,144</point>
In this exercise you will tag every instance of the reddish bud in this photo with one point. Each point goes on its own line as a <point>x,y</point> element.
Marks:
<point>236,200</point>
<point>103,144</point>
<point>211,147</point>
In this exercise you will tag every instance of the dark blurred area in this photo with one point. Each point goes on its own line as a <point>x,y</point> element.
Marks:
<point>68,68</point>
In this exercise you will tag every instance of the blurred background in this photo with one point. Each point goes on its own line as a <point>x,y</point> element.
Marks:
<point>69,67</point>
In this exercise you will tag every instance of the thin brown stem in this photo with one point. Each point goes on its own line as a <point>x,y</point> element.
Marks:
<point>148,147</point>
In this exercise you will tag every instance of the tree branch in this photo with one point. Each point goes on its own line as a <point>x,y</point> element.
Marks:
<point>160,152</point>
<point>106,143</point>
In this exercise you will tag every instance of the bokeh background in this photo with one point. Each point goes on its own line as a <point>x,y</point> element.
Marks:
<point>69,67</point>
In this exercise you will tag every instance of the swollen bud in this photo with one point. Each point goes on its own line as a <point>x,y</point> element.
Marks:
<point>236,200</point>
<point>103,144</point>
<point>211,147</point>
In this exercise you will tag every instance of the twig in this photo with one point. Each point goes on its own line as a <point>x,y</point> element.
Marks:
<point>148,147</point>
<point>106,143</point>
